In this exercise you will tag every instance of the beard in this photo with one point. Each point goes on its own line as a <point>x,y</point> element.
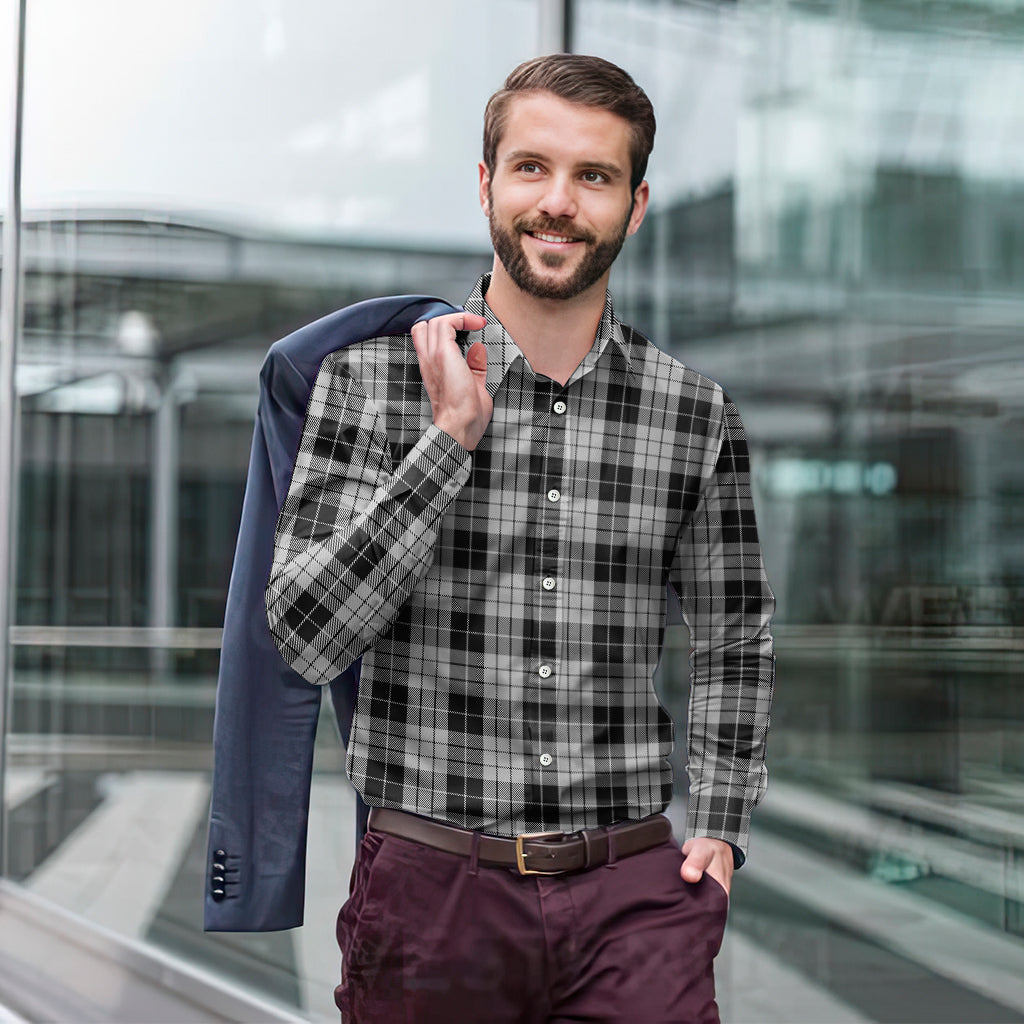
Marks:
<point>598,257</point>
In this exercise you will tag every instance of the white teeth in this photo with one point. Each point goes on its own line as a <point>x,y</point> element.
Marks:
<point>551,238</point>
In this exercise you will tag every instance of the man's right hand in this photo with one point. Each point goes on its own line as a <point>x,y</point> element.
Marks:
<point>457,386</point>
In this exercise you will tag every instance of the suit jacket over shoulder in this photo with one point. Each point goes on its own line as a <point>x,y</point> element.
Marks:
<point>266,714</point>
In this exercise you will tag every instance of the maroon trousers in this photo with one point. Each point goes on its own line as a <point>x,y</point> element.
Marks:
<point>429,937</point>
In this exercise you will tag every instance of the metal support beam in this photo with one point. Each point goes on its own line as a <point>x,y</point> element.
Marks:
<point>554,26</point>
<point>163,549</point>
<point>10,321</point>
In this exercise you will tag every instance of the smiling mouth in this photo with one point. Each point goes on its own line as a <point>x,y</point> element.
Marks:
<point>546,237</point>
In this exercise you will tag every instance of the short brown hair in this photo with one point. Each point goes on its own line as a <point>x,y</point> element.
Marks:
<point>575,77</point>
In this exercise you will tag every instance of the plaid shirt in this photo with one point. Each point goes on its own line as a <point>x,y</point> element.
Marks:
<point>509,604</point>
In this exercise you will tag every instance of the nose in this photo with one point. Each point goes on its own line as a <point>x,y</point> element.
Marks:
<point>559,199</point>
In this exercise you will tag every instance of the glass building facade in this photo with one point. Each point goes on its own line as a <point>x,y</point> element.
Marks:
<point>836,235</point>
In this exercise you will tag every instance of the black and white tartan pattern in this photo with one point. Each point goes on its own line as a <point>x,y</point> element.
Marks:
<point>509,605</point>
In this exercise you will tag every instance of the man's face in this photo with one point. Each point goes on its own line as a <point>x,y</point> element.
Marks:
<point>559,203</point>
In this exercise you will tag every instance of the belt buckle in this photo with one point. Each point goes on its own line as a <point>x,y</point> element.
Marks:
<point>521,856</point>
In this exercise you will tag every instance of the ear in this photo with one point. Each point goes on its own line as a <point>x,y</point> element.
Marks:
<point>485,181</point>
<point>641,197</point>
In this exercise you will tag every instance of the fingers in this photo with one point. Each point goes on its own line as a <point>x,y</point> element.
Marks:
<point>477,357</point>
<point>435,341</point>
<point>705,854</point>
<point>456,386</point>
<point>473,322</point>
<point>442,328</point>
<point>696,863</point>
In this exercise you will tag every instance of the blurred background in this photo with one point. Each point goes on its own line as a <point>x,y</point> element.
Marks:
<point>836,235</point>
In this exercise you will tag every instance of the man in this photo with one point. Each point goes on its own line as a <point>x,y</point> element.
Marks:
<point>490,513</point>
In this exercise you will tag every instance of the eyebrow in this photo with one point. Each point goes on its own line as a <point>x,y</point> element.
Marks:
<point>613,171</point>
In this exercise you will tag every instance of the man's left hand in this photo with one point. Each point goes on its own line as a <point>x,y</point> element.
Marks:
<point>711,855</point>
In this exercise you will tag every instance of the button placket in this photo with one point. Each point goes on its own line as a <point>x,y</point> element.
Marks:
<point>552,516</point>
<point>548,541</point>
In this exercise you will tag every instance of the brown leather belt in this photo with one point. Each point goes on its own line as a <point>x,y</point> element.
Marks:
<point>532,853</point>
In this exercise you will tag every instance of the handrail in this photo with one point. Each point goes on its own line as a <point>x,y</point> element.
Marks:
<point>168,637</point>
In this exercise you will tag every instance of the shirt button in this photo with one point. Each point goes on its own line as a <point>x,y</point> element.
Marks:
<point>554,495</point>
<point>545,759</point>
<point>560,407</point>
<point>548,583</point>
<point>544,671</point>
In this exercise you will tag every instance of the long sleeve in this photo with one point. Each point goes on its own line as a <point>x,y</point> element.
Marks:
<point>727,604</point>
<point>356,532</point>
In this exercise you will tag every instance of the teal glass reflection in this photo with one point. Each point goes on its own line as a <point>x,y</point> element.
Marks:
<point>835,236</point>
<point>200,179</point>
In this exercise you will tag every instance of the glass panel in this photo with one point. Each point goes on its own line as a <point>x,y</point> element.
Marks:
<point>8,55</point>
<point>836,236</point>
<point>8,26</point>
<point>200,179</point>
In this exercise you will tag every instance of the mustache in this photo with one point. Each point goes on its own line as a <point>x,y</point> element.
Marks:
<point>553,227</point>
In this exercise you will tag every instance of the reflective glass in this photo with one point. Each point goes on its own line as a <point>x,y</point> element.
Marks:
<point>8,23</point>
<point>8,30</point>
<point>836,236</point>
<point>200,178</point>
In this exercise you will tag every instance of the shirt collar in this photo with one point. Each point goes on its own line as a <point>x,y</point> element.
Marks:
<point>502,351</point>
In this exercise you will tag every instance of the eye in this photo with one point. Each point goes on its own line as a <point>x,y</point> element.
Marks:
<point>528,167</point>
<point>594,177</point>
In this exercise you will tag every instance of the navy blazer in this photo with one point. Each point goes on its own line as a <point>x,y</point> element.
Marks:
<point>266,714</point>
